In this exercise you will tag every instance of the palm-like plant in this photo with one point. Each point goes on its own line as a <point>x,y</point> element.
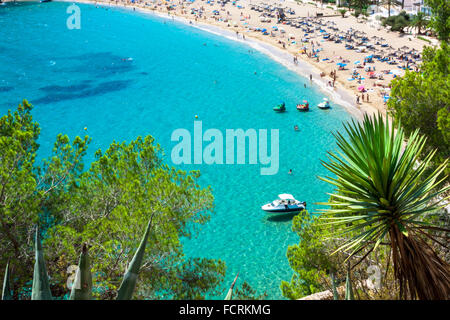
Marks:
<point>419,21</point>
<point>384,194</point>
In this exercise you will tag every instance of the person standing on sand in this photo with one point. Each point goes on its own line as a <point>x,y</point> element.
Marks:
<point>310,77</point>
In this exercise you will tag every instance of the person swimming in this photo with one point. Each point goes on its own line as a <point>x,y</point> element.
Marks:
<point>296,127</point>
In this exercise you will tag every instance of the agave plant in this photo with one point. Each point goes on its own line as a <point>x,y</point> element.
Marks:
<point>82,288</point>
<point>41,286</point>
<point>348,287</point>
<point>334,287</point>
<point>384,192</point>
<point>230,291</point>
<point>130,278</point>
<point>6,290</point>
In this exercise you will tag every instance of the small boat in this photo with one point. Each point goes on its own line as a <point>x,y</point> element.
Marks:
<point>45,1</point>
<point>284,203</point>
<point>280,108</point>
<point>325,104</point>
<point>303,106</point>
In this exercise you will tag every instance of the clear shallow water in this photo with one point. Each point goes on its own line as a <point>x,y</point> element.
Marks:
<point>78,78</point>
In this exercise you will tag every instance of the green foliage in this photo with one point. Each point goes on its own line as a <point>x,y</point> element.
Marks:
<point>419,21</point>
<point>105,207</point>
<point>358,5</point>
<point>384,194</point>
<point>342,12</point>
<point>424,39</point>
<point>398,22</point>
<point>199,278</point>
<point>310,259</point>
<point>422,101</point>
<point>124,187</point>
<point>440,18</point>
<point>246,292</point>
<point>26,188</point>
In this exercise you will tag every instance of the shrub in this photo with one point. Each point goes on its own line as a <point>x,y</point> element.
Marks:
<point>398,22</point>
<point>424,39</point>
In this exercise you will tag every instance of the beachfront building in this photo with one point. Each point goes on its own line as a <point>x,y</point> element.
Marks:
<point>416,6</point>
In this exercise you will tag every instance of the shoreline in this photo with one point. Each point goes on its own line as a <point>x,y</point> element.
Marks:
<point>340,95</point>
<point>344,93</point>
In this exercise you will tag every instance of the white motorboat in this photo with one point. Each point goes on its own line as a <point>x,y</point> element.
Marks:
<point>284,203</point>
<point>325,104</point>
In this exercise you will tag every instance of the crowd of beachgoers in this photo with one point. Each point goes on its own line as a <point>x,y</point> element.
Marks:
<point>347,52</point>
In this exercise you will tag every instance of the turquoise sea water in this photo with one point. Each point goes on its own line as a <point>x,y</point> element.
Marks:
<point>83,78</point>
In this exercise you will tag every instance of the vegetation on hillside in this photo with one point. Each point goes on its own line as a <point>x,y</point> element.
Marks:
<point>104,207</point>
<point>385,211</point>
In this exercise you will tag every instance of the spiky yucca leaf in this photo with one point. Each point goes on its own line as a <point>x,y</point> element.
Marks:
<point>130,278</point>
<point>41,286</point>
<point>230,291</point>
<point>82,285</point>
<point>383,191</point>
<point>6,291</point>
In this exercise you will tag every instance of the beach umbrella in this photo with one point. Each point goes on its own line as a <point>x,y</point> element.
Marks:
<point>361,88</point>
<point>357,62</point>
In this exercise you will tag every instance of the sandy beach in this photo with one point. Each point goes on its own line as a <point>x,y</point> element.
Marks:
<point>361,85</point>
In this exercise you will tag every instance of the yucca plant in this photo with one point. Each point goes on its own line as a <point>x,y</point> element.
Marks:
<point>384,192</point>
